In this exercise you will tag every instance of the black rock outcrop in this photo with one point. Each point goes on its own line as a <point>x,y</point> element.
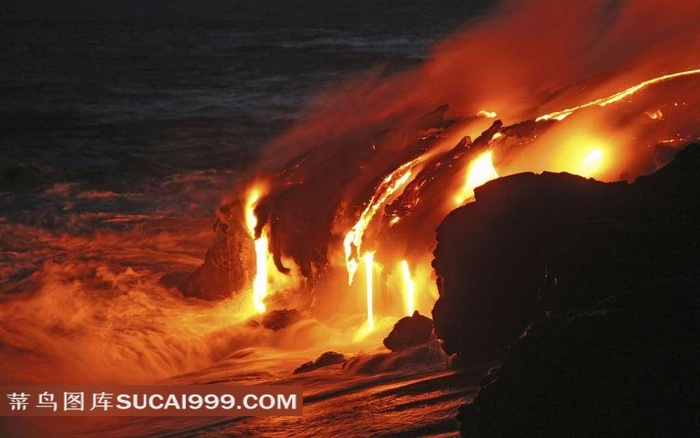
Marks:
<point>626,367</point>
<point>536,245</point>
<point>409,331</point>
<point>228,266</point>
<point>326,359</point>
<point>607,278</point>
<point>279,319</point>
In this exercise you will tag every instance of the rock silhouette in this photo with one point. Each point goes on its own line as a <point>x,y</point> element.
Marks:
<point>533,245</point>
<point>326,359</point>
<point>409,331</point>
<point>605,276</point>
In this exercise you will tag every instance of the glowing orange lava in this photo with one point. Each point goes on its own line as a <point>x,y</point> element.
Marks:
<point>561,115</point>
<point>250,220</point>
<point>585,155</point>
<point>487,114</point>
<point>260,281</point>
<point>353,240</point>
<point>591,163</point>
<point>480,172</point>
<point>655,115</point>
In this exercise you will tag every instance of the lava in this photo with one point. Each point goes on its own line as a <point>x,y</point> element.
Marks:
<point>655,115</point>
<point>353,239</point>
<point>480,172</point>
<point>561,115</point>
<point>383,177</point>
<point>332,180</point>
<point>487,114</point>
<point>260,281</point>
<point>591,163</point>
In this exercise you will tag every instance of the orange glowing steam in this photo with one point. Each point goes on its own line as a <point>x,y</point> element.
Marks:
<point>409,288</point>
<point>480,172</point>
<point>369,271</point>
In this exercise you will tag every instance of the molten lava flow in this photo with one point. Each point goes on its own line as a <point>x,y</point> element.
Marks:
<point>409,288</point>
<point>369,268</point>
<point>353,240</point>
<point>453,123</point>
<point>561,115</point>
<point>487,114</point>
<point>591,163</point>
<point>480,172</point>
<point>587,155</point>
<point>250,220</point>
<point>655,115</point>
<point>260,281</point>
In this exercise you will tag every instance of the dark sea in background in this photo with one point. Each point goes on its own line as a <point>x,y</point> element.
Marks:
<point>139,107</point>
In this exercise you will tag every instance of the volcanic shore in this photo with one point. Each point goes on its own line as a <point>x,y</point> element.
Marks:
<point>587,293</point>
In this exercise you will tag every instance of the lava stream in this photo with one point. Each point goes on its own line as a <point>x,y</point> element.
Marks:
<point>389,185</point>
<point>561,115</point>
<point>261,244</point>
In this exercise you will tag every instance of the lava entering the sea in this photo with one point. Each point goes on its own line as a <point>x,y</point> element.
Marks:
<point>367,177</point>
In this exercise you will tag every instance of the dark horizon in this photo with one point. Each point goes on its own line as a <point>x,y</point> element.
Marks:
<point>450,11</point>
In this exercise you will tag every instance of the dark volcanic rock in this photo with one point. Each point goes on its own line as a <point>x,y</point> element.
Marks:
<point>627,367</point>
<point>326,359</point>
<point>279,319</point>
<point>228,266</point>
<point>409,331</point>
<point>535,245</point>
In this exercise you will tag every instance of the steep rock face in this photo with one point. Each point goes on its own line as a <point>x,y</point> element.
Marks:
<point>626,367</point>
<point>228,266</point>
<point>533,245</point>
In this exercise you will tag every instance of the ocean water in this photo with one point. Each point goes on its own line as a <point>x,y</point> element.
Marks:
<point>121,96</point>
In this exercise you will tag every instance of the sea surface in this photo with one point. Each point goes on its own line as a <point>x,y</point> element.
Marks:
<point>121,97</point>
